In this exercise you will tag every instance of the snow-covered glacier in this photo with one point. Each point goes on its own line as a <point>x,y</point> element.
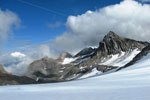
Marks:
<point>132,83</point>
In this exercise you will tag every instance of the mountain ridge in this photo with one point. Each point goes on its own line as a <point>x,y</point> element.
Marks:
<point>85,60</point>
<point>113,54</point>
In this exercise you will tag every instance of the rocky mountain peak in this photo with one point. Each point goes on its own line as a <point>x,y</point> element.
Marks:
<point>113,44</point>
<point>111,34</point>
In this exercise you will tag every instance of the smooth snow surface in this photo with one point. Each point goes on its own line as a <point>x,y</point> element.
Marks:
<point>132,83</point>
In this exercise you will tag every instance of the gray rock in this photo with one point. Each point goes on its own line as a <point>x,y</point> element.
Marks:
<point>48,70</point>
<point>105,68</point>
<point>85,52</point>
<point>112,44</point>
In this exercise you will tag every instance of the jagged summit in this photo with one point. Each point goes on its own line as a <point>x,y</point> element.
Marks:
<point>113,44</point>
<point>111,34</point>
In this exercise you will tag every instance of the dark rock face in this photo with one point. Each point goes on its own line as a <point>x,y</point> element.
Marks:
<point>84,52</point>
<point>51,70</point>
<point>105,68</point>
<point>8,79</point>
<point>113,44</point>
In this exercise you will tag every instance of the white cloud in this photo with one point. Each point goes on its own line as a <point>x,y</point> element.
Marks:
<point>17,54</point>
<point>16,62</point>
<point>8,19</point>
<point>44,50</point>
<point>20,66</point>
<point>129,18</point>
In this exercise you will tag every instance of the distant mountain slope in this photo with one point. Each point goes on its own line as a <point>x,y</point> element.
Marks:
<point>112,53</point>
<point>9,79</point>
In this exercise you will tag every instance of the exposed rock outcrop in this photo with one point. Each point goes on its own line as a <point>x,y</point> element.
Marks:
<point>48,70</point>
<point>113,44</point>
<point>85,52</point>
<point>105,68</point>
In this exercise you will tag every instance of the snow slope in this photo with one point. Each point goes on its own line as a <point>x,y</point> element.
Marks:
<point>121,59</point>
<point>115,60</point>
<point>68,60</point>
<point>132,83</point>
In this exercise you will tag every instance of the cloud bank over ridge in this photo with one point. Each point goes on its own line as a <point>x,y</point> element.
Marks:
<point>129,18</point>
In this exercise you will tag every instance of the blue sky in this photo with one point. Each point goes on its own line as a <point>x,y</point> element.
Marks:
<point>43,20</point>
